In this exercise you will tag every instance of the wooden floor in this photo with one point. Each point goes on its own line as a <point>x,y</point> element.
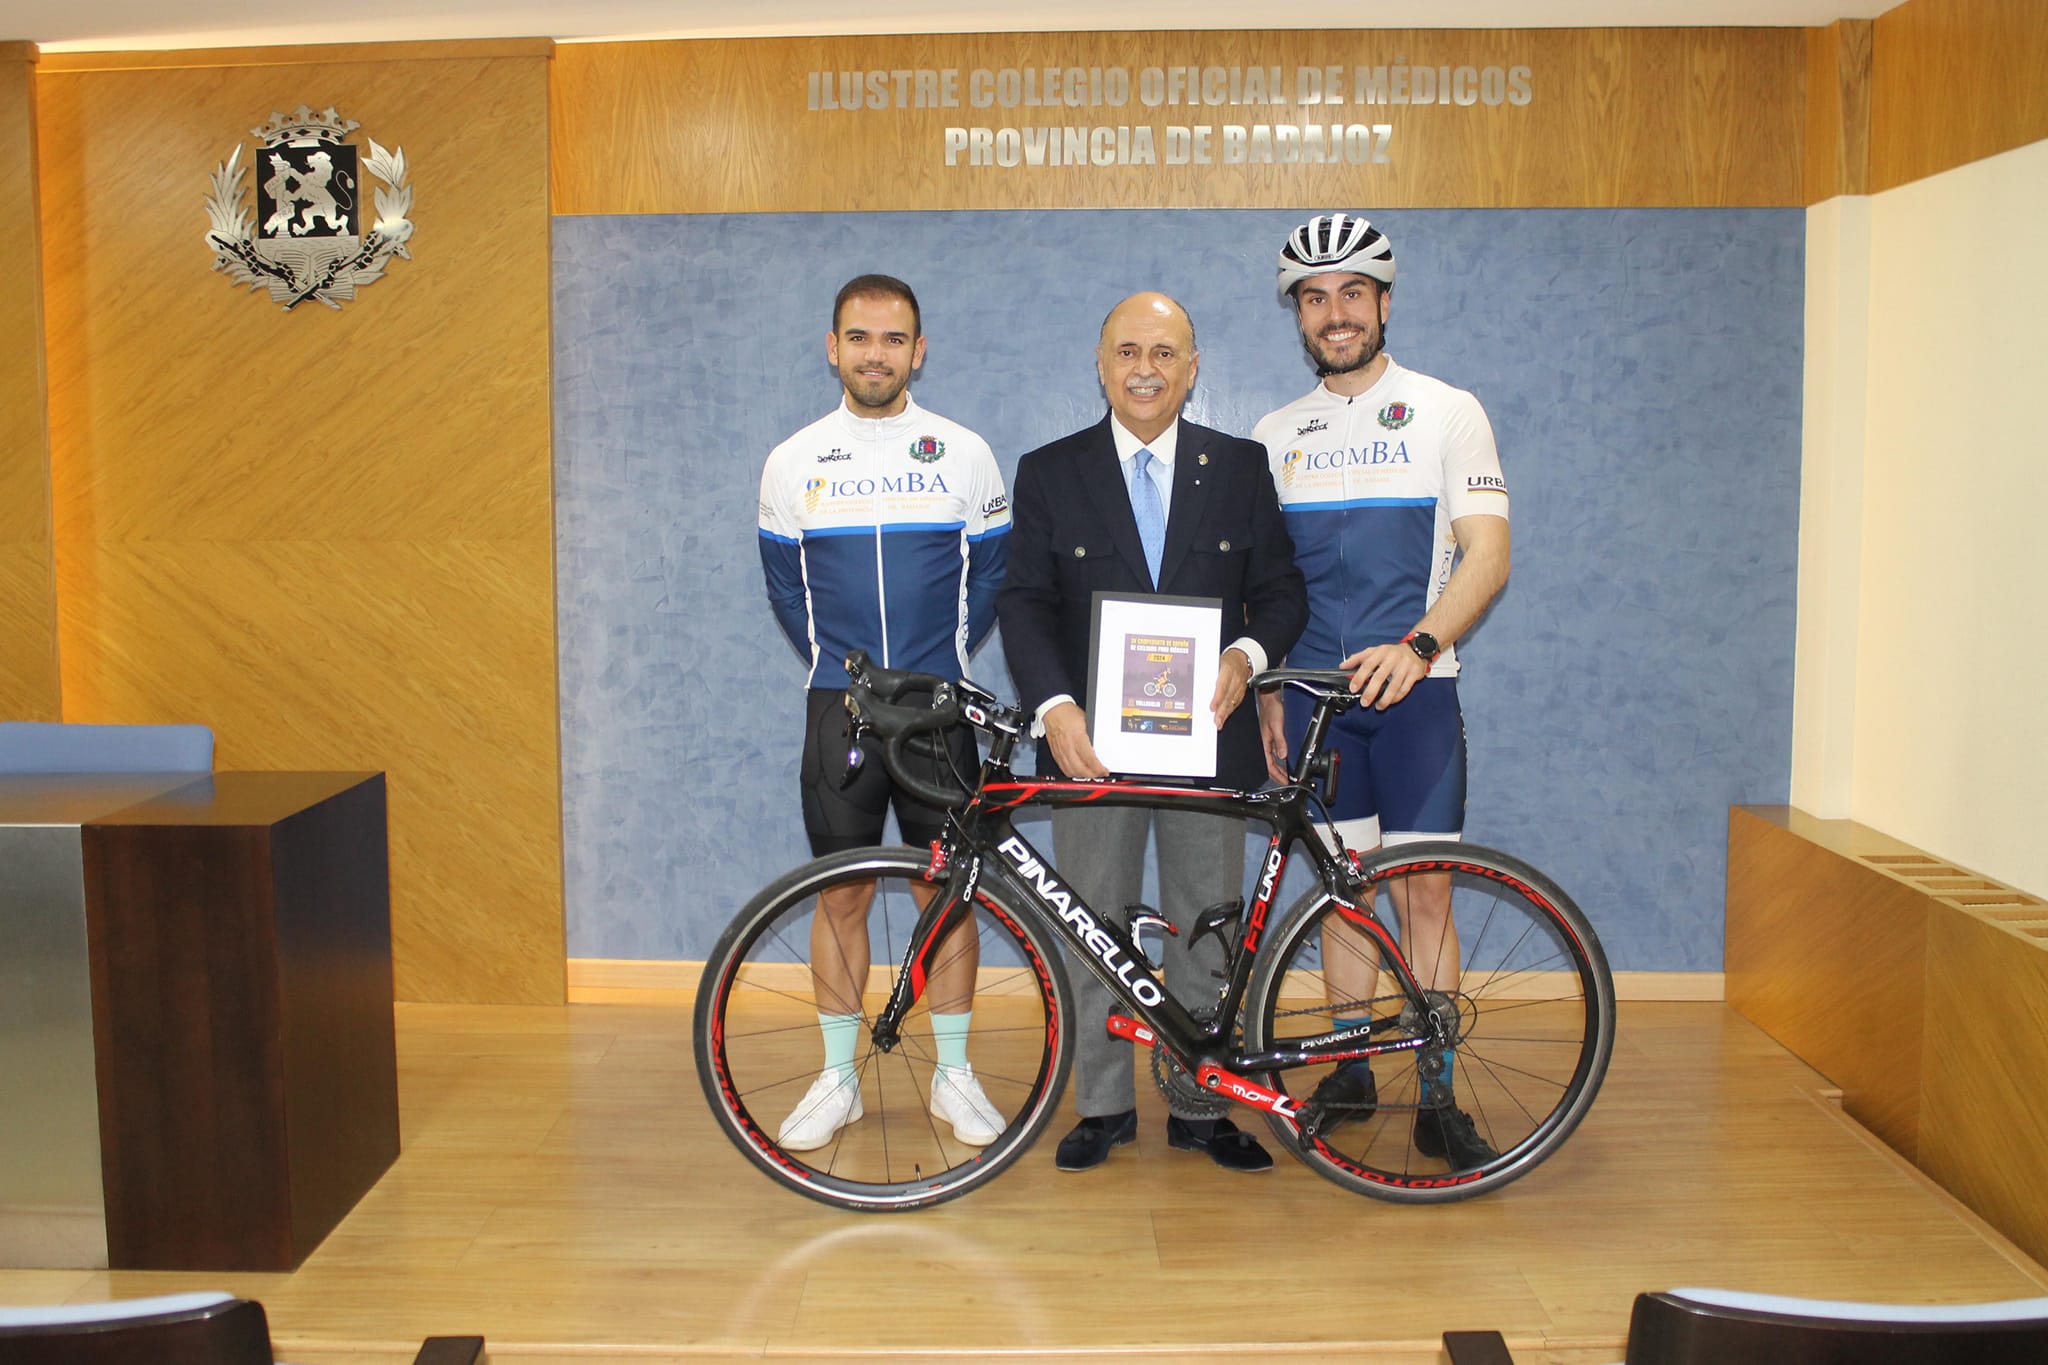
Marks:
<point>564,1192</point>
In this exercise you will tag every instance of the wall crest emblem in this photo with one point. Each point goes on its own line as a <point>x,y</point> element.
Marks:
<point>307,237</point>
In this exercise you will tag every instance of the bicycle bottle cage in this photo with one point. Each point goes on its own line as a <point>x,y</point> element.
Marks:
<point>1139,918</point>
<point>1221,920</point>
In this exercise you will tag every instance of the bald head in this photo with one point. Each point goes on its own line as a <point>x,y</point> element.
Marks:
<point>1146,361</point>
<point>1158,305</point>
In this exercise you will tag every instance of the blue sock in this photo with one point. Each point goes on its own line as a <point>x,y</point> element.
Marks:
<point>1442,1083</point>
<point>1359,1021</point>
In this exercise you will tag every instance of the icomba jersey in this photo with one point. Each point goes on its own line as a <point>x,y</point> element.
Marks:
<point>1370,486</point>
<point>885,536</point>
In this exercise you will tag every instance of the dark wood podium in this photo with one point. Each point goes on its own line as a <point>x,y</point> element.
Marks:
<point>240,950</point>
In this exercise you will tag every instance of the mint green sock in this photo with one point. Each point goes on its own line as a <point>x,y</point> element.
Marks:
<point>842,1036</point>
<point>949,1031</point>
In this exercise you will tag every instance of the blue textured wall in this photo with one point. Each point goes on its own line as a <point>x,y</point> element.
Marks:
<point>1642,369</point>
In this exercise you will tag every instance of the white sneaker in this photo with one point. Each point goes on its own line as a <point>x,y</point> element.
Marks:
<point>832,1102</point>
<point>957,1098</point>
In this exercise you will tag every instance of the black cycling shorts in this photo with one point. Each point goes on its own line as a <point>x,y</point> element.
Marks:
<point>840,817</point>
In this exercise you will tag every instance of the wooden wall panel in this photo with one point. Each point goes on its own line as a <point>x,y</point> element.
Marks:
<point>28,597</point>
<point>1984,1130</point>
<point>1918,987</point>
<point>1640,116</point>
<point>327,534</point>
<point>1825,955</point>
<point>1953,81</point>
<point>1838,109</point>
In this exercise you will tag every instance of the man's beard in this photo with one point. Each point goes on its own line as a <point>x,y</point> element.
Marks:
<point>1367,353</point>
<point>874,393</point>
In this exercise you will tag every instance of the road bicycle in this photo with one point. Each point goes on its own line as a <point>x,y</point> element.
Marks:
<point>1520,1037</point>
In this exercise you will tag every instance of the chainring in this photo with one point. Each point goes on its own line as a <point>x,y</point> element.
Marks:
<point>1183,1095</point>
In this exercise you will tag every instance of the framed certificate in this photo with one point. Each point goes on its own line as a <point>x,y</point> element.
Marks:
<point>1152,664</point>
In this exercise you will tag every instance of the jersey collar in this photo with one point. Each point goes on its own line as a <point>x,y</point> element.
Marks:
<point>883,428</point>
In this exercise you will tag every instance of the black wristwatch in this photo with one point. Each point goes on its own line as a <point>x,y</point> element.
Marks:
<point>1424,644</point>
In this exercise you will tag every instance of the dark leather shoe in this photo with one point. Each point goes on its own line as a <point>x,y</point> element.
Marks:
<point>1220,1138</point>
<point>1348,1094</point>
<point>1449,1134</point>
<point>1088,1145</point>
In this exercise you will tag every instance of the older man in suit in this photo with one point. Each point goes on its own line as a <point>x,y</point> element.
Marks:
<point>1144,501</point>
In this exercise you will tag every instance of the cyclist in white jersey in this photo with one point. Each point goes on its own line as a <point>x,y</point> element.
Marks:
<point>881,529</point>
<point>1393,494</point>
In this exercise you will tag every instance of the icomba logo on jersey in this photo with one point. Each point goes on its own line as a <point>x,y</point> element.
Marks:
<point>1378,452</point>
<point>911,481</point>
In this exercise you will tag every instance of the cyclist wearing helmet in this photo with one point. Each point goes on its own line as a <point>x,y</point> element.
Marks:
<point>882,528</point>
<point>1394,498</point>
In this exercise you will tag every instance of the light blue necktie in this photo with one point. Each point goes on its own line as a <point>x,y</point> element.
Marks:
<point>1151,516</point>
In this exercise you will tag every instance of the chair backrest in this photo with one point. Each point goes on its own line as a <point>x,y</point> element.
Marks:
<point>177,1329</point>
<point>1709,1326</point>
<point>44,747</point>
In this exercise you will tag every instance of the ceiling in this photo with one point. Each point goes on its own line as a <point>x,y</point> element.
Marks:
<point>104,25</point>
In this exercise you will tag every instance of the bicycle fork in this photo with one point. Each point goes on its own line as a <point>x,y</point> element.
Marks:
<point>937,921</point>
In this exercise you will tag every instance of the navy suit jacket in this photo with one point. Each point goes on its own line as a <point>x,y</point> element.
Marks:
<point>1073,535</point>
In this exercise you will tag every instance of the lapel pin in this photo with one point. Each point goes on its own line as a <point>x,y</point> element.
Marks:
<point>1202,458</point>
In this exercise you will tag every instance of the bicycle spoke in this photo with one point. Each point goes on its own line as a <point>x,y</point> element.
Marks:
<point>766,1045</point>
<point>1522,1043</point>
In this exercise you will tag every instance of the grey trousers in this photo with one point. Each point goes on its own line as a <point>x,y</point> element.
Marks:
<point>1100,852</point>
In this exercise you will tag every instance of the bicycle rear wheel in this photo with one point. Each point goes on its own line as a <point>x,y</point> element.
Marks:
<point>759,1046</point>
<point>1527,995</point>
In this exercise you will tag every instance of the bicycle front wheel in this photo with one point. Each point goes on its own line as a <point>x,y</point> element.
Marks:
<point>891,1132</point>
<point>1521,985</point>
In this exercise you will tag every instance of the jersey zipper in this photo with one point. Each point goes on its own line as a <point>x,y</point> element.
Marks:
<point>875,510</point>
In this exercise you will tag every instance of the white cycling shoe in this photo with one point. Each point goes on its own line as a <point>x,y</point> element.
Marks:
<point>957,1098</point>
<point>832,1102</point>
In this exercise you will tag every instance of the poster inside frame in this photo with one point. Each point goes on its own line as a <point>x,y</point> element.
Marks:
<point>1152,663</point>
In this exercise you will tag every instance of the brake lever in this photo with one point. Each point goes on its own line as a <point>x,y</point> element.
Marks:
<point>856,756</point>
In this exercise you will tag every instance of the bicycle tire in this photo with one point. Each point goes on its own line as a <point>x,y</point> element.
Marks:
<point>1536,1018</point>
<point>758,1047</point>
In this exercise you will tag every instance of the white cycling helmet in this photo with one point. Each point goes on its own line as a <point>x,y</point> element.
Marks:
<point>1334,242</point>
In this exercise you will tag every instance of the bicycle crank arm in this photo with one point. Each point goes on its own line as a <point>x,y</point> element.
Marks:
<point>1214,1077</point>
<point>1130,1030</point>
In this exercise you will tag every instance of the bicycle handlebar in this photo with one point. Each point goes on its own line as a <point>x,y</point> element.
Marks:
<point>873,693</point>
<point>898,725</point>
